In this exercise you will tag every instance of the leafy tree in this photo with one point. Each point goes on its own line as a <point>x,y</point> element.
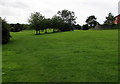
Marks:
<point>16,27</point>
<point>0,30</point>
<point>85,27</point>
<point>68,17</point>
<point>36,21</point>
<point>5,32</point>
<point>46,24</point>
<point>109,19</point>
<point>26,26</point>
<point>56,23</point>
<point>59,25</point>
<point>66,27</point>
<point>91,21</point>
<point>77,26</point>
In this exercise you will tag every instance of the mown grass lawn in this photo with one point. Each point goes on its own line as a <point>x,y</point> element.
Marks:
<point>76,56</point>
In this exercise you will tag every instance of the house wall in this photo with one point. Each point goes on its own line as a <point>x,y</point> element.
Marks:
<point>117,20</point>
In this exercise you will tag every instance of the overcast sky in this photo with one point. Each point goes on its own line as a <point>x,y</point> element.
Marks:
<point>18,11</point>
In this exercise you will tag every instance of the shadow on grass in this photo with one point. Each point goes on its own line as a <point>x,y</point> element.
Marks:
<point>51,33</point>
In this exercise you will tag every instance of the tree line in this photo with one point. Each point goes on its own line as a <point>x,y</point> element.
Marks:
<point>64,20</point>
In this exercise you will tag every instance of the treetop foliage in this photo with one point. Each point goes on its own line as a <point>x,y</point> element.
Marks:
<point>109,19</point>
<point>91,20</point>
<point>63,21</point>
<point>5,32</point>
<point>67,16</point>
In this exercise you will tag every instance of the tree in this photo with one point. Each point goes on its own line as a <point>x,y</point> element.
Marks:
<point>36,21</point>
<point>109,19</point>
<point>68,17</point>
<point>0,30</point>
<point>56,23</point>
<point>91,21</point>
<point>77,26</point>
<point>5,32</point>
<point>26,26</point>
<point>16,27</point>
<point>85,27</point>
<point>46,24</point>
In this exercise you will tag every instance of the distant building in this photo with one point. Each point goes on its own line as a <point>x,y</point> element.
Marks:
<point>117,19</point>
<point>104,26</point>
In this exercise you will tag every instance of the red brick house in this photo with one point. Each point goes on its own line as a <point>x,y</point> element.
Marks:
<point>117,19</point>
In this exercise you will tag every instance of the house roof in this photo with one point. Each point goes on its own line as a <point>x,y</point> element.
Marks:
<point>117,15</point>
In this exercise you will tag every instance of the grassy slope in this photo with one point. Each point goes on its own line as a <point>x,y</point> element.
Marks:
<point>77,56</point>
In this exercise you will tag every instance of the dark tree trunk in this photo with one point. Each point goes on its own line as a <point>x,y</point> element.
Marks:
<point>53,30</point>
<point>45,30</point>
<point>37,32</point>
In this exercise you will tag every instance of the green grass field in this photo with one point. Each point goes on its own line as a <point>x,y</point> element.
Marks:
<point>76,56</point>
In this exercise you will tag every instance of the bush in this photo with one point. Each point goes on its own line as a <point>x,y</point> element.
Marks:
<point>116,26</point>
<point>85,27</point>
<point>26,26</point>
<point>16,27</point>
<point>77,26</point>
<point>5,32</point>
<point>66,27</point>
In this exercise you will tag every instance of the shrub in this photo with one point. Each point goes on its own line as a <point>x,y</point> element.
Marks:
<point>5,32</point>
<point>65,27</point>
<point>16,27</point>
<point>77,26</point>
<point>116,26</point>
<point>85,27</point>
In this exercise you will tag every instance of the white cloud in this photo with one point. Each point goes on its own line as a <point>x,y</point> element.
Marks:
<point>19,10</point>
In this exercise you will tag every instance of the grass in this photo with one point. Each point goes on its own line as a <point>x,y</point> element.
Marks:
<point>76,56</point>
